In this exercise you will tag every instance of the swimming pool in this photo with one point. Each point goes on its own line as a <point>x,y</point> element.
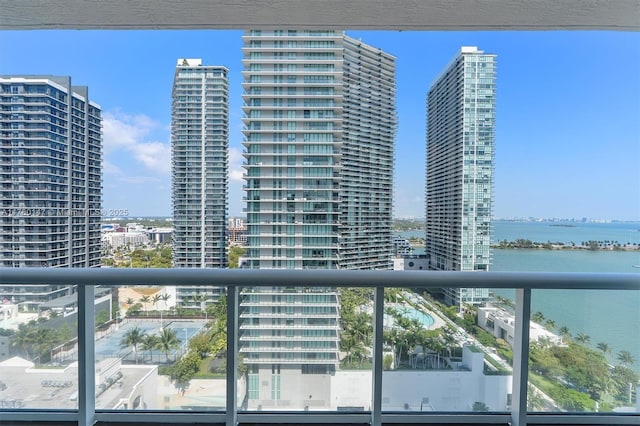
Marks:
<point>410,313</point>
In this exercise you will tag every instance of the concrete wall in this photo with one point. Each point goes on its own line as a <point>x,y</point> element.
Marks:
<point>464,15</point>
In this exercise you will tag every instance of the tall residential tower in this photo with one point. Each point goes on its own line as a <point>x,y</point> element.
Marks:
<point>50,177</point>
<point>199,159</point>
<point>460,153</point>
<point>320,123</point>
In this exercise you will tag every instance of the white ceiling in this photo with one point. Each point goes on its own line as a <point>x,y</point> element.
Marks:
<point>338,14</point>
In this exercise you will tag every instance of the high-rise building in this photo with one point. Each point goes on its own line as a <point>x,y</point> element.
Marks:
<point>320,123</point>
<point>460,153</point>
<point>199,159</point>
<point>50,177</point>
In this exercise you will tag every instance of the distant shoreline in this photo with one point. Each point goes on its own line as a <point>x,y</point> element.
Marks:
<point>584,245</point>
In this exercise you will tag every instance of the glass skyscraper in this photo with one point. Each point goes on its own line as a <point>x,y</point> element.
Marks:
<point>320,123</point>
<point>199,163</point>
<point>50,177</point>
<point>459,170</point>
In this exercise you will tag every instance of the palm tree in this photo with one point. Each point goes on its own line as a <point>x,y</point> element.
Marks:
<point>565,333</point>
<point>537,317</point>
<point>133,337</point>
<point>165,298</point>
<point>167,341</point>
<point>604,347</point>
<point>201,298</point>
<point>155,299</point>
<point>23,338</point>
<point>550,324</point>
<point>625,358</point>
<point>149,343</point>
<point>583,338</point>
<point>145,299</point>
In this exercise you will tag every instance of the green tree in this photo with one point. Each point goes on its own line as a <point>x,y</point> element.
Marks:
<point>165,298</point>
<point>23,338</point>
<point>479,406</point>
<point>201,344</point>
<point>537,317</point>
<point>625,358</point>
<point>155,299</point>
<point>550,324</point>
<point>144,300</point>
<point>185,368</point>
<point>149,343</point>
<point>604,347</point>
<point>168,341</point>
<point>565,333</point>
<point>583,339</point>
<point>235,253</point>
<point>133,338</point>
<point>622,376</point>
<point>101,318</point>
<point>44,339</point>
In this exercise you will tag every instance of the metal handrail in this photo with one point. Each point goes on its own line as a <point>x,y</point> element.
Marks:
<point>321,278</point>
<point>522,282</point>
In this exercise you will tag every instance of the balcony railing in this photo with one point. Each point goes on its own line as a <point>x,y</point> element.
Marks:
<point>523,283</point>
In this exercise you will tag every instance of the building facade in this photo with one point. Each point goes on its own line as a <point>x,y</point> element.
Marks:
<point>459,170</point>
<point>320,125</point>
<point>199,161</point>
<point>50,177</point>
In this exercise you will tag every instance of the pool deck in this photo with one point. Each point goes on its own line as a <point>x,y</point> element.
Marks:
<point>438,321</point>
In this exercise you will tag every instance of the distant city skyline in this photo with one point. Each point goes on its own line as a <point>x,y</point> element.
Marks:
<point>567,132</point>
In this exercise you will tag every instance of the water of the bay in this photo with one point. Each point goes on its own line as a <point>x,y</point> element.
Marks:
<point>612,317</point>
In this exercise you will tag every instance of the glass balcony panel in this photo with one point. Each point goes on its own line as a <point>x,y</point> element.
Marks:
<point>305,349</point>
<point>584,351</point>
<point>165,350</point>
<point>437,359</point>
<point>39,348</point>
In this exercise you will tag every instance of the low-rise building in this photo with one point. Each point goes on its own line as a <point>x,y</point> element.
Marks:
<point>501,323</point>
<point>115,240</point>
<point>118,386</point>
<point>414,262</point>
<point>457,389</point>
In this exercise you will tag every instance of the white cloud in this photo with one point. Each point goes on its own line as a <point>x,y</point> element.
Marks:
<point>235,165</point>
<point>154,155</point>
<point>131,133</point>
<point>110,168</point>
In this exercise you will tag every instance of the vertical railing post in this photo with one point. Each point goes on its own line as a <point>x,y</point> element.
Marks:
<point>232,356</point>
<point>378,324</point>
<point>521,357</point>
<point>86,356</point>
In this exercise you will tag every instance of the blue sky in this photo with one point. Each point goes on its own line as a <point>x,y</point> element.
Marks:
<point>568,111</point>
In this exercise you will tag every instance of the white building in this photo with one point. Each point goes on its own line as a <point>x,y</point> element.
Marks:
<point>427,390</point>
<point>459,170</point>
<point>199,163</point>
<point>501,323</point>
<point>115,240</point>
<point>320,123</point>
<point>118,386</point>
<point>402,247</point>
<point>415,262</point>
<point>160,235</point>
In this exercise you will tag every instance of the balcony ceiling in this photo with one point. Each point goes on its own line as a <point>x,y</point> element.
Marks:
<point>338,14</point>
